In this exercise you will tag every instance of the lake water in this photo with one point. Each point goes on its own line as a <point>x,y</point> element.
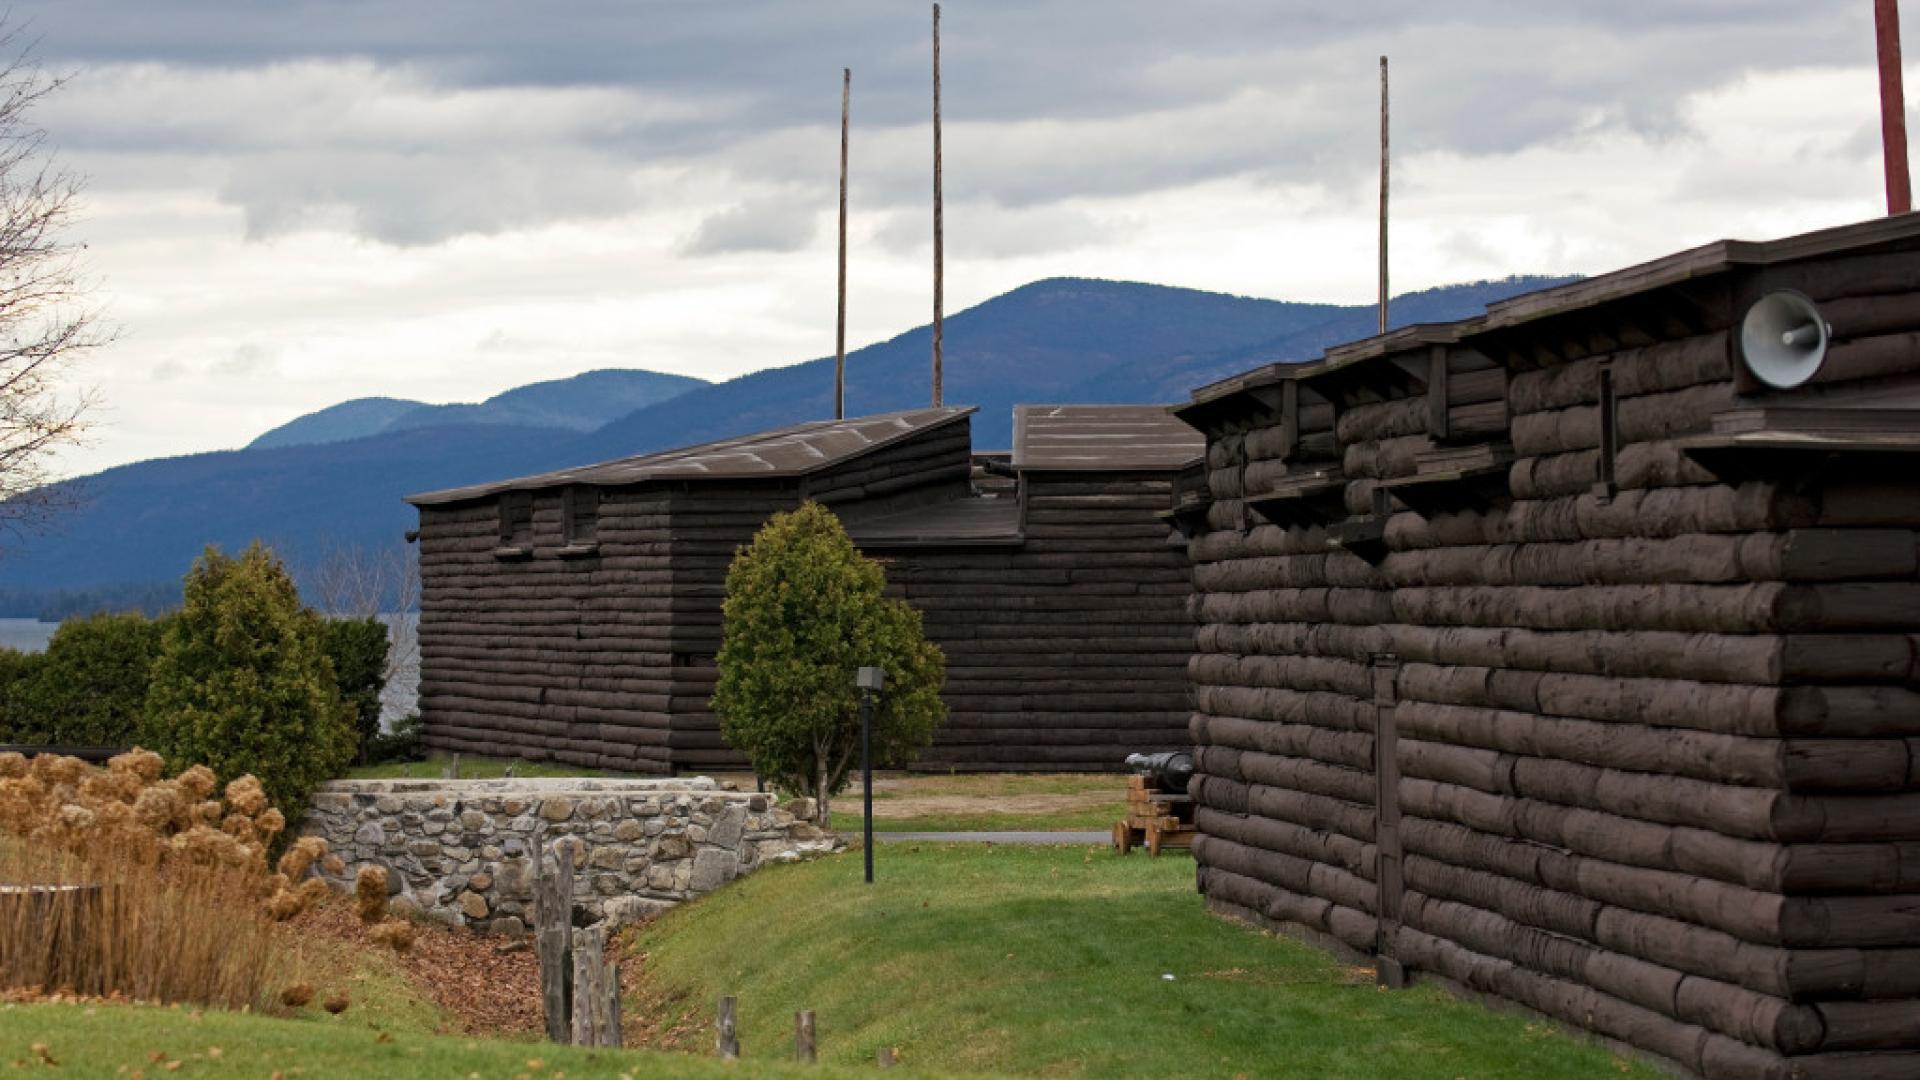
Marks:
<point>401,696</point>
<point>26,635</point>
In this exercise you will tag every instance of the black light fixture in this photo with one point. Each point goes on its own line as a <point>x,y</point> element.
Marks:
<point>870,680</point>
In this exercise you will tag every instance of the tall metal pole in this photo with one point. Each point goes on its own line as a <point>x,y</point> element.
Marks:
<point>939,230</point>
<point>840,329</point>
<point>1893,108</point>
<point>1383,194</point>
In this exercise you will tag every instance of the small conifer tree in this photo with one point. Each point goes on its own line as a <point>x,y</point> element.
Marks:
<point>804,612</point>
<point>243,683</point>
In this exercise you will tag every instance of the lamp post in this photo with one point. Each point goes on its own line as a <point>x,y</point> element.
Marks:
<point>870,680</point>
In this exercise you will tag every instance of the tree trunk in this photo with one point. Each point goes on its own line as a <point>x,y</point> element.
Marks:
<point>820,794</point>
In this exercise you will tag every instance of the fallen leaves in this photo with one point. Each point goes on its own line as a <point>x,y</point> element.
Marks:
<point>488,991</point>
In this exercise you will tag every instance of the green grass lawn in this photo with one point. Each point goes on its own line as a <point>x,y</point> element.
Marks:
<point>1056,962</point>
<point>87,1040</point>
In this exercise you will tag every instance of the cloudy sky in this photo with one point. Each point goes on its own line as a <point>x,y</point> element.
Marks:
<point>295,203</point>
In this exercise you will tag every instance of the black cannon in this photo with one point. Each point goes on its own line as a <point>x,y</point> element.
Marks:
<point>1167,771</point>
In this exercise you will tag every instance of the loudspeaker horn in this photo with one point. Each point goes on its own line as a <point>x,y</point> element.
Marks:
<point>1783,339</point>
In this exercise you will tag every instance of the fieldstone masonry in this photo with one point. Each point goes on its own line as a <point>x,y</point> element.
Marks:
<point>462,850</point>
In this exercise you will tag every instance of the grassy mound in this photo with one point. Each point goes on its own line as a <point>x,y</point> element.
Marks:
<point>1056,962</point>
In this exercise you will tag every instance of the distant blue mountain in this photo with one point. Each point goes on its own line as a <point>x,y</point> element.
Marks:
<point>581,403</point>
<point>354,419</point>
<point>1054,341</point>
<point>1058,341</point>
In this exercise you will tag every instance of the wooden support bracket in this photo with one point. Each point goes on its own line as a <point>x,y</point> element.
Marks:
<point>1307,498</point>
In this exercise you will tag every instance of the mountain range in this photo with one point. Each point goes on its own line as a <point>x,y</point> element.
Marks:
<point>333,480</point>
<point>581,403</point>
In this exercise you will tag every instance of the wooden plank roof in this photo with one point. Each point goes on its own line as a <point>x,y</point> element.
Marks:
<point>1102,438</point>
<point>783,452</point>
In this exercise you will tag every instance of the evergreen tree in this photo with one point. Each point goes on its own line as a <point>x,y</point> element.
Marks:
<point>243,683</point>
<point>804,611</point>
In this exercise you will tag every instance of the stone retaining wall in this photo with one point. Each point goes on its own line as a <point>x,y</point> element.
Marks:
<point>461,850</point>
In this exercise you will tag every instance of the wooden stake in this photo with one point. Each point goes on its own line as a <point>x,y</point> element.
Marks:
<point>939,228</point>
<point>596,990</point>
<point>803,1048</point>
<point>885,1058</point>
<point>1893,109</point>
<point>840,329</point>
<point>1383,194</point>
<point>726,1036</point>
<point>553,937</point>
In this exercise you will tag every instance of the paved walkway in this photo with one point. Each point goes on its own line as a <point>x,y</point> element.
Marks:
<point>998,837</point>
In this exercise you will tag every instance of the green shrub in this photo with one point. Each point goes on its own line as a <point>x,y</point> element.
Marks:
<point>92,689</point>
<point>243,683</point>
<point>804,610</point>
<point>358,651</point>
<point>404,742</point>
<point>87,689</point>
<point>20,719</point>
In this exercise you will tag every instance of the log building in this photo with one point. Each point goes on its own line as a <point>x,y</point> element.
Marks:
<point>1556,655</point>
<point>1057,598</point>
<point>575,615</point>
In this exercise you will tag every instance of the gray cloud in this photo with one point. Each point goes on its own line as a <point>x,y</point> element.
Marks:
<point>413,123</point>
<point>764,225</point>
<point>245,361</point>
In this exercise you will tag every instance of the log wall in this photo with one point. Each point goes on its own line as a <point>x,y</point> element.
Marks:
<point>1641,756</point>
<point>1068,652</point>
<point>544,657</point>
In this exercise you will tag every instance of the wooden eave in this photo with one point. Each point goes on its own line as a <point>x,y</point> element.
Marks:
<point>1452,478</point>
<point>1251,395</point>
<point>1776,441</point>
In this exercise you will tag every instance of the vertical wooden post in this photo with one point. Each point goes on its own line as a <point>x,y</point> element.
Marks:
<point>1387,875</point>
<point>726,1035</point>
<point>610,1035</point>
<point>1438,414</point>
<point>1289,419</point>
<point>885,1057</point>
<point>1893,107</point>
<point>939,227</point>
<point>1607,487</point>
<point>803,1046</point>
<point>596,990</point>
<point>840,327</point>
<point>553,936</point>
<point>1383,194</point>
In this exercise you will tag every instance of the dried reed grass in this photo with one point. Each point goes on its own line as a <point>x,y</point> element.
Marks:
<point>115,881</point>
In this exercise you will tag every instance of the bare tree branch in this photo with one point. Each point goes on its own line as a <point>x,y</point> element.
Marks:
<point>47,321</point>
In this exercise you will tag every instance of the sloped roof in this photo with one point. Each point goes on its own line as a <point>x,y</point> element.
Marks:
<point>783,452</point>
<point>1894,232</point>
<point>1102,438</point>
